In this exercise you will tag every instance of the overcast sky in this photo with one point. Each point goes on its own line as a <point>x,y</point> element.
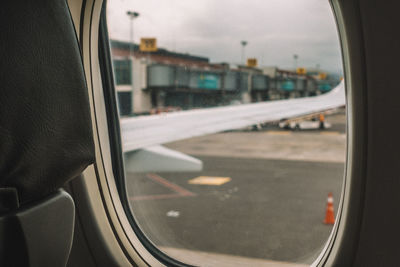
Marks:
<point>274,29</point>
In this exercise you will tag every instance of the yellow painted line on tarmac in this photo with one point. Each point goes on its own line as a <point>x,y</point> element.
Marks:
<point>209,180</point>
<point>330,133</point>
<point>279,132</point>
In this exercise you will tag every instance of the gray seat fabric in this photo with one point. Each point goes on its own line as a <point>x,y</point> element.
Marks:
<point>45,125</point>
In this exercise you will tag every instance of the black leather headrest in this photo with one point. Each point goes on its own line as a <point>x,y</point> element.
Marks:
<point>45,124</point>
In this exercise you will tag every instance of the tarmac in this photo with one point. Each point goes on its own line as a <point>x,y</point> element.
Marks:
<point>259,201</point>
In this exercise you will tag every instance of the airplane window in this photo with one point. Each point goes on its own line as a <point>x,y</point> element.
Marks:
<point>233,126</point>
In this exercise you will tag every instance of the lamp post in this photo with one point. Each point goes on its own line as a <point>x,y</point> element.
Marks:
<point>295,56</point>
<point>132,15</point>
<point>318,66</point>
<point>243,43</point>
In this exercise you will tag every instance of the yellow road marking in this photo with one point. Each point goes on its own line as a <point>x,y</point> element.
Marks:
<point>330,133</point>
<point>209,180</point>
<point>279,132</point>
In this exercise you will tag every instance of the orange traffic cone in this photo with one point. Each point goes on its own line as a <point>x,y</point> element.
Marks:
<point>329,217</point>
<point>321,121</point>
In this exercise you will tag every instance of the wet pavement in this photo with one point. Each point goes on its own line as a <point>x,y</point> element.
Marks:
<point>271,207</point>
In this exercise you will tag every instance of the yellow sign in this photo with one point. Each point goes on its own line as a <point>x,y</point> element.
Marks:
<point>301,71</point>
<point>251,62</point>
<point>148,44</point>
<point>322,76</point>
<point>209,180</point>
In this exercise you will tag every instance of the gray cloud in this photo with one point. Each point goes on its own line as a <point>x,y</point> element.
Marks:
<point>274,29</point>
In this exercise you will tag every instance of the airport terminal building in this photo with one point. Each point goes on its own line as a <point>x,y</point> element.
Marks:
<point>162,80</point>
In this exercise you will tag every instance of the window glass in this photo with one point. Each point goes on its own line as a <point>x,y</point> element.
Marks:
<point>122,71</point>
<point>233,126</point>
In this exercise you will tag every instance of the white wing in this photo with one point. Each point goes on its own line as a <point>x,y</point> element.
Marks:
<point>143,135</point>
<point>144,131</point>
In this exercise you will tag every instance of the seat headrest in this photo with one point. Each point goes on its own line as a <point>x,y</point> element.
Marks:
<point>45,125</point>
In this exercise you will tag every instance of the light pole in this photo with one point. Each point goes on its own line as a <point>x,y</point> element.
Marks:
<point>295,56</point>
<point>243,43</point>
<point>132,15</point>
<point>318,66</point>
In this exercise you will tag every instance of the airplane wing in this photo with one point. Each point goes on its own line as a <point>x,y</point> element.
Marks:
<point>147,133</point>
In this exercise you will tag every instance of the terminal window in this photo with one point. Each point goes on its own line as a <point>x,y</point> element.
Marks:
<point>122,71</point>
